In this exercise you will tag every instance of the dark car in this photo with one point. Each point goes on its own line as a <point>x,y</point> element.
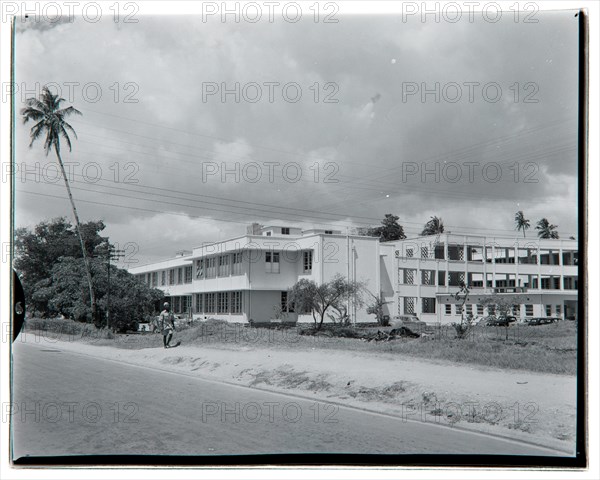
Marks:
<point>540,321</point>
<point>500,321</point>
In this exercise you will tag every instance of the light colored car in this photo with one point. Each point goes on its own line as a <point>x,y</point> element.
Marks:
<point>408,321</point>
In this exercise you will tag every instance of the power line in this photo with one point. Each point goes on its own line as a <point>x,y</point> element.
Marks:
<point>274,214</point>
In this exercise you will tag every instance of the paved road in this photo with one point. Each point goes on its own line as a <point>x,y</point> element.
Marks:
<point>67,404</point>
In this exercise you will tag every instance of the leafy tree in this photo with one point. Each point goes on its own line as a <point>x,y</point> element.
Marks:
<point>389,230</point>
<point>467,322</point>
<point>434,226</point>
<point>521,223</point>
<point>64,292</point>
<point>37,250</point>
<point>502,305</point>
<point>50,120</point>
<point>375,307</point>
<point>51,266</point>
<point>307,296</point>
<point>546,229</point>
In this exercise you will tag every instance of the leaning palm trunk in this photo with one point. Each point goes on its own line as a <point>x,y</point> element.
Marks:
<point>86,261</point>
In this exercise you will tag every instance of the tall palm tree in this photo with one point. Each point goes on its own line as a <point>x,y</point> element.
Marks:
<point>433,227</point>
<point>546,229</point>
<point>50,120</point>
<point>521,223</point>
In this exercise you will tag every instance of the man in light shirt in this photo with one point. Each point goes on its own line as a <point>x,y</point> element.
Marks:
<point>166,321</point>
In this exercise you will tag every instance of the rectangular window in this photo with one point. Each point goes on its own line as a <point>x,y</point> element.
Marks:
<point>328,232</point>
<point>176,304</point>
<point>200,268</point>
<point>529,310</point>
<point>308,258</point>
<point>188,274</point>
<point>210,302</point>
<point>163,277</point>
<point>409,253</point>
<point>441,278</point>
<point>199,303</point>
<point>516,310</point>
<point>550,282</point>
<point>236,302</point>
<point>456,252</point>
<point>224,266</point>
<point>479,309</point>
<point>427,277</point>
<point>474,254</point>
<point>284,301</point>
<point>558,310</point>
<point>428,305</point>
<point>272,262</point>
<point>548,257</point>
<point>285,231</point>
<point>570,283</point>
<point>526,256</point>
<point>409,305</point>
<point>424,252</point>
<point>548,310</point>
<point>456,278</point>
<point>223,302</point>
<point>448,309</point>
<point>211,267</point>
<point>469,309</point>
<point>179,276</point>
<point>154,279</point>
<point>406,276</point>
<point>475,280</point>
<point>237,263</point>
<point>285,305</point>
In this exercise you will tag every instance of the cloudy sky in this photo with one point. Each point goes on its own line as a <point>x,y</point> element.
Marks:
<point>156,134</point>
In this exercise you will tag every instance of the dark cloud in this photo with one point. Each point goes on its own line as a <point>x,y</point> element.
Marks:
<point>365,141</point>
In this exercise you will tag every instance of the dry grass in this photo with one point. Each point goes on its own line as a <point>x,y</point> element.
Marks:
<point>545,348</point>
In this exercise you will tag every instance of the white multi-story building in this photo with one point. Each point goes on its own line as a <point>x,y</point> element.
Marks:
<point>248,277</point>
<point>539,275</point>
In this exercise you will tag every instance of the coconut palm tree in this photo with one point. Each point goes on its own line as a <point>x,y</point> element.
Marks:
<point>50,120</point>
<point>546,229</point>
<point>521,223</point>
<point>434,226</point>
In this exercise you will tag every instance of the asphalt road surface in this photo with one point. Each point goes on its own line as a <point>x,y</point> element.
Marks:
<point>70,404</point>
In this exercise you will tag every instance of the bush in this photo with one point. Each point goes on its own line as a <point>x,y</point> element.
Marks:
<point>62,326</point>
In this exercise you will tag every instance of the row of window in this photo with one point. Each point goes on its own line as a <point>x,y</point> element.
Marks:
<point>549,310</point>
<point>409,276</point>
<point>173,276</point>
<point>499,255</point>
<point>218,302</point>
<point>219,266</point>
<point>427,305</point>
<point>181,304</point>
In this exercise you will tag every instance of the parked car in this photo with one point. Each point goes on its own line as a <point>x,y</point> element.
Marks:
<point>500,321</point>
<point>541,321</point>
<point>409,321</point>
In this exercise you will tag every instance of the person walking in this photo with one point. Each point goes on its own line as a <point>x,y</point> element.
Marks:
<point>167,324</point>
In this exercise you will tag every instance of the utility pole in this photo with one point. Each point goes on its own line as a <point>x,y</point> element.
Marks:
<point>113,254</point>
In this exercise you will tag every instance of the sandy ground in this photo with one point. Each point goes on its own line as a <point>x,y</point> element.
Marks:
<point>534,407</point>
